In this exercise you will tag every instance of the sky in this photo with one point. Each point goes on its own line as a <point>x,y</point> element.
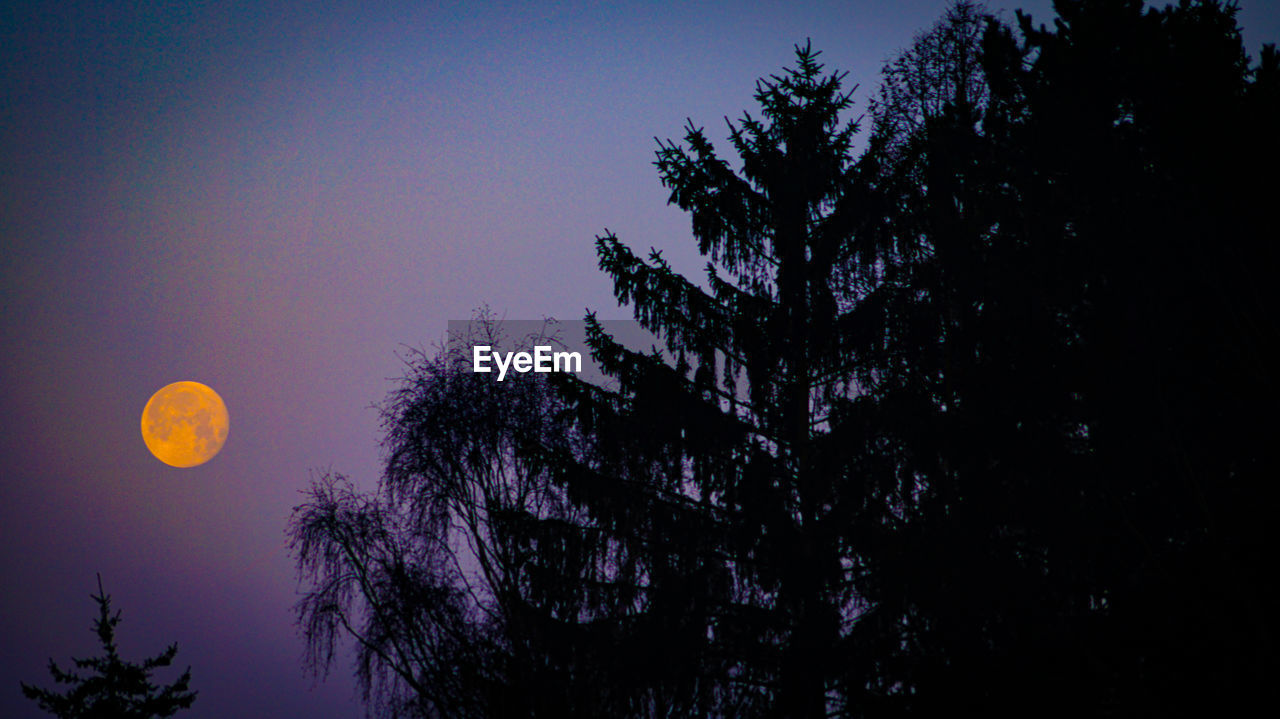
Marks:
<point>281,201</point>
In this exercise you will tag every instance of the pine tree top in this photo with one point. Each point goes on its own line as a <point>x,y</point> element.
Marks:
<point>107,685</point>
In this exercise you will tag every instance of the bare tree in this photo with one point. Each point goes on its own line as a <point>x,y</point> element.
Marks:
<point>423,573</point>
<point>940,72</point>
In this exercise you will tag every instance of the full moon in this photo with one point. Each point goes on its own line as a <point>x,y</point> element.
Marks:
<point>185,424</point>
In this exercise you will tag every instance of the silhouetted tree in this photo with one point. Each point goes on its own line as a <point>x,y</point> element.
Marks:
<point>940,74</point>
<point>425,572</point>
<point>981,421</point>
<point>730,527</point>
<point>1087,334</point>
<point>685,543</point>
<point>113,688</point>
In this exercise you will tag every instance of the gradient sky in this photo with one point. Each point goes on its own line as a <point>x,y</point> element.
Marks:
<point>276,200</point>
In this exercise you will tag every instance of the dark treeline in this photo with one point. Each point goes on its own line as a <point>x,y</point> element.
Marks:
<point>979,420</point>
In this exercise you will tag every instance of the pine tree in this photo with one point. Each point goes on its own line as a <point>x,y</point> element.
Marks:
<point>730,522</point>
<point>113,688</point>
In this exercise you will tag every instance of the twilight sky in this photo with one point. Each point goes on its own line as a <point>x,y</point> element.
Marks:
<point>274,200</point>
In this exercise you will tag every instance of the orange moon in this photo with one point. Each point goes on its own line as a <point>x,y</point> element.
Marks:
<point>185,424</point>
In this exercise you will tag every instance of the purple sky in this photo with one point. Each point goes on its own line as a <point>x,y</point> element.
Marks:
<point>276,199</point>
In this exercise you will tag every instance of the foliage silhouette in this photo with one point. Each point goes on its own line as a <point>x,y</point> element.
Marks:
<point>1094,306</point>
<point>114,688</point>
<point>941,73</point>
<point>425,574</point>
<point>679,549</point>
<point>720,483</point>
<point>981,420</point>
